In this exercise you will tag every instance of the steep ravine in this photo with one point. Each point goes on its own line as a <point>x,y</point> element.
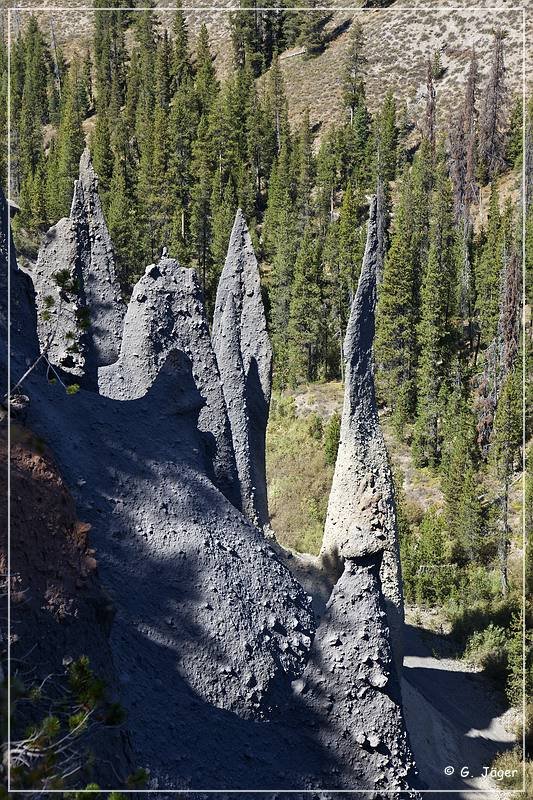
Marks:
<point>225,678</point>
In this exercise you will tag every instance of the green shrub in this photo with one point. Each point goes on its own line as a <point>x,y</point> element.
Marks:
<point>488,650</point>
<point>511,762</point>
<point>315,427</point>
<point>331,438</point>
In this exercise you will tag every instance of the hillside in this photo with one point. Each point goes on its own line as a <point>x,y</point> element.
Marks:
<point>398,43</point>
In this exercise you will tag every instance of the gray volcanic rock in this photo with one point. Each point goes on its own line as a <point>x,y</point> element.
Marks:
<point>212,642</point>
<point>165,316</point>
<point>24,343</point>
<point>361,517</point>
<point>75,271</point>
<point>351,687</point>
<point>240,285</point>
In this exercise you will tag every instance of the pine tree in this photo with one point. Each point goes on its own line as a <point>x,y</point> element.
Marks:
<point>437,328</point>
<point>70,141</point>
<point>206,84</point>
<point>354,70</point>
<point>312,35</point>
<point>120,217</point>
<point>430,123</point>
<point>506,441</point>
<point>202,171</point>
<point>305,313</point>
<point>224,206</point>
<point>354,144</point>
<point>352,238</point>
<point>513,153</point>
<point>488,271</point>
<point>306,170</point>
<point>386,140</point>
<point>181,63</point>
<point>277,102</point>
<point>327,178</point>
<point>463,511</point>
<point>397,313</point>
<point>493,123</point>
<point>470,131</point>
<point>101,151</point>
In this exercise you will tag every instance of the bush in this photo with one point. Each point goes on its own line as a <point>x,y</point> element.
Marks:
<point>331,439</point>
<point>511,762</point>
<point>488,650</point>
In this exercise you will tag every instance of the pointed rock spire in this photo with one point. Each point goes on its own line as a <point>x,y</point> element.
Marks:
<point>246,341</point>
<point>78,295</point>
<point>165,316</point>
<point>361,517</point>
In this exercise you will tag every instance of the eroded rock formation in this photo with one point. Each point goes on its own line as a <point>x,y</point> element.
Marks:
<point>166,316</point>
<point>361,516</point>
<point>244,356</point>
<point>226,681</point>
<point>79,304</point>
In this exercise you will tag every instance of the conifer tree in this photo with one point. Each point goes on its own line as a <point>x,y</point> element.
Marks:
<point>430,123</point>
<point>206,84</point>
<point>489,270</point>
<point>352,237</point>
<point>514,138</point>
<point>493,123</point>
<point>397,313</point>
<point>312,35</point>
<point>120,218</point>
<point>202,171</point>
<point>260,141</point>
<point>224,206</point>
<point>181,63</point>
<point>464,515</point>
<point>506,441</point>
<point>101,151</point>
<point>280,199</point>
<point>385,140</point>
<point>277,102</point>
<point>305,313</point>
<point>306,170</point>
<point>354,70</point>
<point>70,141</point>
<point>470,116</point>
<point>437,328</point>
<point>354,143</point>
<point>327,177</point>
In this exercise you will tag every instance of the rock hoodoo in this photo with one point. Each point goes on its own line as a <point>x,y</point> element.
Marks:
<point>226,679</point>
<point>166,316</point>
<point>361,516</point>
<point>246,343</point>
<point>79,304</point>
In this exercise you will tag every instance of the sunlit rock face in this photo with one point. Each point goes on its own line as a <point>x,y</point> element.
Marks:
<point>361,516</point>
<point>244,356</point>
<point>166,316</point>
<point>79,305</point>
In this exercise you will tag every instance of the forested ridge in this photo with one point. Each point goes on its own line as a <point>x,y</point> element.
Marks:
<point>177,151</point>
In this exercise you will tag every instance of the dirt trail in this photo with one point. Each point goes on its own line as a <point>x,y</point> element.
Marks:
<point>454,718</point>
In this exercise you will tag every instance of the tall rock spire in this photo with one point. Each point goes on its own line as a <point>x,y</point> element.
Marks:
<point>78,294</point>
<point>361,517</point>
<point>244,342</point>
